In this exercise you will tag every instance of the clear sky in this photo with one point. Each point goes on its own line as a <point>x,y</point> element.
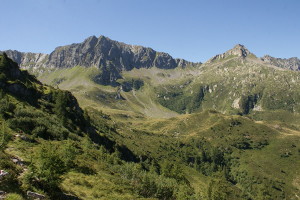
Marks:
<point>191,29</point>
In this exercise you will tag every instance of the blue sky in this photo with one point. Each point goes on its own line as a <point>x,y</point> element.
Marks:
<point>191,29</point>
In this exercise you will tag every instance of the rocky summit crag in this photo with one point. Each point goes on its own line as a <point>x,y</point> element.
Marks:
<point>104,52</point>
<point>110,56</point>
<point>238,50</point>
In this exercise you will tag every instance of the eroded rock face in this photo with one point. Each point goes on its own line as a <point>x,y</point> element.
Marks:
<point>109,55</point>
<point>27,60</point>
<point>103,51</point>
<point>289,63</point>
<point>100,52</point>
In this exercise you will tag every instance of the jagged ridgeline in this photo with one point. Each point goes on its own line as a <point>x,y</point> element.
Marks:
<point>110,56</point>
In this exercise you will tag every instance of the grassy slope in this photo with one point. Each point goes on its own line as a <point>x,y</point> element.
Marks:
<point>159,138</point>
<point>78,80</point>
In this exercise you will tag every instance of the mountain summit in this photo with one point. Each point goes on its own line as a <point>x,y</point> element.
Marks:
<point>99,52</point>
<point>104,52</point>
<point>238,50</point>
<point>112,57</point>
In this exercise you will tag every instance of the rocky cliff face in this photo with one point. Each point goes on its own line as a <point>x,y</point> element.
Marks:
<point>111,56</point>
<point>100,52</point>
<point>104,52</point>
<point>290,63</point>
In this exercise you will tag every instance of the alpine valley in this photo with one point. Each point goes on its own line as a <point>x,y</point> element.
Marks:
<point>106,120</point>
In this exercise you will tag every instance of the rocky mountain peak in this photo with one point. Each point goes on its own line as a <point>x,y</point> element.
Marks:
<point>111,56</point>
<point>238,50</point>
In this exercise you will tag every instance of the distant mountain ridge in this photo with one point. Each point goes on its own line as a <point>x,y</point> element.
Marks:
<point>27,60</point>
<point>110,56</point>
<point>105,52</point>
<point>286,63</point>
<point>241,51</point>
<point>113,57</point>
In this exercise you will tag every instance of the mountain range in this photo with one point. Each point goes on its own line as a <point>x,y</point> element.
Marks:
<point>110,56</point>
<point>104,52</point>
<point>149,126</point>
<point>102,61</point>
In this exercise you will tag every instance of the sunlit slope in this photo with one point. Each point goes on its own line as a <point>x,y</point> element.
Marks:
<point>81,82</point>
<point>260,153</point>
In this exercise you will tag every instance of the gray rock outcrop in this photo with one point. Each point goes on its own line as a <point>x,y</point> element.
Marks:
<point>104,52</point>
<point>286,63</point>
